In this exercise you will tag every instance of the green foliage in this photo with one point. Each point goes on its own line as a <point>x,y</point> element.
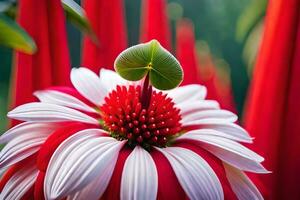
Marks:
<point>8,8</point>
<point>136,62</point>
<point>75,14</point>
<point>251,46</point>
<point>249,18</point>
<point>13,36</point>
<point>249,31</point>
<point>3,108</point>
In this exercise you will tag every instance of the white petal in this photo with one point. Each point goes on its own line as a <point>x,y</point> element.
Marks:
<point>186,93</point>
<point>210,114</point>
<point>208,136</point>
<point>241,184</point>
<point>21,147</point>
<point>221,126</point>
<point>28,127</point>
<point>229,151</point>
<point>190,107</point>
<point>96,188</point>
<point>45,112</point>
<point>204,131</point>
<point>195,176</point>
<point>23,140</point>
<point>19,183</point>
<point>78,161</point>
<point>88,85</point>
<point>139,177</point>
<point>62,99</point>
<point>110,79</point>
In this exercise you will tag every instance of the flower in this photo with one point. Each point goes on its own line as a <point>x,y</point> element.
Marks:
<point>111,138</point>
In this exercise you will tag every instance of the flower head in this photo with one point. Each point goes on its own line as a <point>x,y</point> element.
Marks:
<point>125,116</point>
<point>112,138</point>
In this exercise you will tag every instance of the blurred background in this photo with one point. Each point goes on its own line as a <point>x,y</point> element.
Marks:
<point>229,31</point>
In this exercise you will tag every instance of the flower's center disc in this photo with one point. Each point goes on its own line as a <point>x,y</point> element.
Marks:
<point>125,118</point>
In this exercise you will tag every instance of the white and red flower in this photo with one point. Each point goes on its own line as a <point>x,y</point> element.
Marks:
<point>100,139</point>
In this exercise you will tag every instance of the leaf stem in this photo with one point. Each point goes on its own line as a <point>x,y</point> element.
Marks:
<point>146,93</point>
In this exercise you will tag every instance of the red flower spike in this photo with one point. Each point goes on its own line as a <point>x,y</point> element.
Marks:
<point>218,88</point>
<point>59,51</point>
<point>154,23</point>
<point>149,126</point>
<point>50,65</point>
<point>186,51</point>
<point>107,21</point>
<point>205,72</point>
<point>272,114</point>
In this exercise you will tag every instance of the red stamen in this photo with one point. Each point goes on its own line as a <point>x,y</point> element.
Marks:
<point>124,114</point>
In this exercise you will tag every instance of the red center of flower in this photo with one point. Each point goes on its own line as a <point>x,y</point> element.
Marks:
<point>125,115</point>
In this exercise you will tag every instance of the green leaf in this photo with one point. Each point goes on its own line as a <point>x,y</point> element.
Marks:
<point>75,14</point>
<point>251,46</point>
<point>136,62</point>
<point>252,15</point>
<point>13,36</point>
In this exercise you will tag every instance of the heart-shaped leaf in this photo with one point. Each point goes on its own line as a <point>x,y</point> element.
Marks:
<point>136,62</point>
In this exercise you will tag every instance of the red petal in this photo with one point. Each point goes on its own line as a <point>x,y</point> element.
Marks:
<point>29,194</point>
<point>168,185</point>
<point>14,168</point>
<point>216,164</point>
<point>113,190</point>
<point>54,140</point>
<point>39,186</point>
<point>73,92</point>
<point>7,175</point>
